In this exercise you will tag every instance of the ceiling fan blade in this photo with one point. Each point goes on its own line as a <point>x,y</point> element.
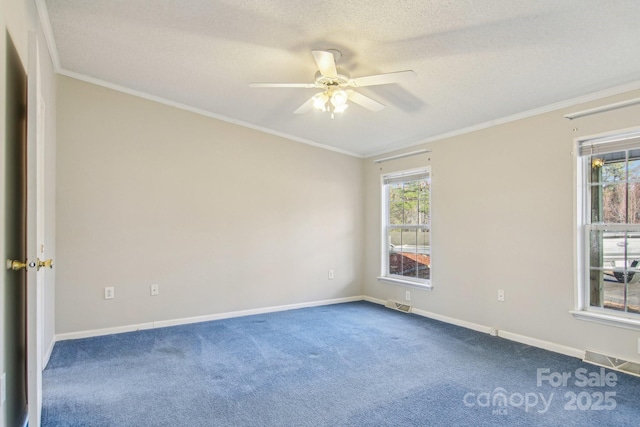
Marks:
<point>326,63</point>
<point>364,101</point>
<point>305,85</point>
<point>304,108</point>
<point>381,79</point>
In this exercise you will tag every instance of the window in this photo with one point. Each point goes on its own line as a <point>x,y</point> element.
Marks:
<point>406,208</point>
<point>609,214</point>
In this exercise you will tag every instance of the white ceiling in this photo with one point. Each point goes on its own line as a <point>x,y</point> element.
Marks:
<point>476,60</point>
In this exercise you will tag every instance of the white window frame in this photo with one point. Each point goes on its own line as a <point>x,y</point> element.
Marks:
<point>583,310</point>
<point>385,276</point>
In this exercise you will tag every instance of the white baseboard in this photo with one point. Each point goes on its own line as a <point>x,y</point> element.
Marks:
<point>446,319</point>
<point>374,300</point>
<point>197,319</point>
<point>47,354</point>
<point>465,324</point>
<point>534,342</point>
<point>105,331</point>
<point>251,312</point>
<point>546,345</point>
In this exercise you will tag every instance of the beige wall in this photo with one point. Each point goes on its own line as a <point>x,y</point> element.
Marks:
<point>225,218</point>
<point>503,218</point>
<point>18,18</point>
<point>221,217</point>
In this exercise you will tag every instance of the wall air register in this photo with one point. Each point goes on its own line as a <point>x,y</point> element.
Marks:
<point>399,306</point>
<point>614,363</point>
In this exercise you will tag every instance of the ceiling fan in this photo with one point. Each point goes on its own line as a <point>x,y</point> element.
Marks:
<point>334,85</point>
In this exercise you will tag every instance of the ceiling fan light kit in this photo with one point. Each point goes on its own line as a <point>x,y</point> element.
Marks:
<point>332,100</point>
<point>333,82</point>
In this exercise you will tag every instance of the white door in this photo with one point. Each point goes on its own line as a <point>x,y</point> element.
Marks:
<point>35,158</point>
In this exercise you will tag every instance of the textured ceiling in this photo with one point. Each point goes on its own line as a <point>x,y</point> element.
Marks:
<point>476,60</point>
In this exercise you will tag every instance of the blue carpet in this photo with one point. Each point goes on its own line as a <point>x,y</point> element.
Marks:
<point>356,364</point>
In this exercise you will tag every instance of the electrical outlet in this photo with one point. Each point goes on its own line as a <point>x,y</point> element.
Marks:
<point>109,292</point>
<point>407,296</point>
<point>330,275</point>
<point>154,290</point>
<point>501,295</point>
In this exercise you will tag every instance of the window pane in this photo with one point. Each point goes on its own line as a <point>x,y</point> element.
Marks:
<point>614,205</point>
<point>615,264</point>
<point>608,249</point>
<point>395,263</point>
<point>395,251</point>
<point>411,196</point>
<point>424,244</point>
<point>633,203</point>
<point>424,254</point>
<point>613,295</point>
<point>596,204</point>
<point>395,239</point>
<point>596,249</point>
<point>633,250</point>
<point>409,240</point>
<point>424,203</point>
<point>409,253</point>
<point>596,286</point>
<point>396,204</point>
<point>633,297</point>
<point>396,213</point>
<point>608,168</point>
<point>633,168</point>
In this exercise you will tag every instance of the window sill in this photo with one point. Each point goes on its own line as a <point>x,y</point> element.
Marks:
<point>607,319</point>
<point>409,283</point>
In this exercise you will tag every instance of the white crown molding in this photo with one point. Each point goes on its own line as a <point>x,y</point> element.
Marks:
<point>617,90</point>
<point>45,22</point>
<point>200,111</point>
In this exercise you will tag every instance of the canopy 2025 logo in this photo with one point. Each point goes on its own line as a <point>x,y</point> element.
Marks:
<point>601,399</point>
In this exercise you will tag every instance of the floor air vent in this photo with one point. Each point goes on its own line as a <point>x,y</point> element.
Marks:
<point>398,306</point>
<point>625,366</point>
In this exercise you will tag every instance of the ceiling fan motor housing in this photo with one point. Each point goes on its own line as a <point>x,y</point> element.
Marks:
<point>342,79</point>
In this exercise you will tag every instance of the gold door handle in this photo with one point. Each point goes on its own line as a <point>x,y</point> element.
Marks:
<point>47,264</point>
<point>15,265</point>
